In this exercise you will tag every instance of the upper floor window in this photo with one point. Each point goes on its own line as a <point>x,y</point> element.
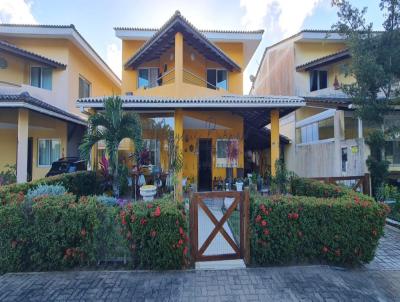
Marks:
<point>148,77</point>
<point>316,128</point>
<point>217,78</point>
<point>84,88</point>
<point>41,77</point>
<point>318,79</point>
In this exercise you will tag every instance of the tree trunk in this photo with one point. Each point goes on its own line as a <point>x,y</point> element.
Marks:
<point>115,180</point>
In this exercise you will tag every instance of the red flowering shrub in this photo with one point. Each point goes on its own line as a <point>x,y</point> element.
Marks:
<point>156,234</point>
<point>298,229</point>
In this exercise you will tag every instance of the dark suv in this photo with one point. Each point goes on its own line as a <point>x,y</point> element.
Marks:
<point>67,165</point>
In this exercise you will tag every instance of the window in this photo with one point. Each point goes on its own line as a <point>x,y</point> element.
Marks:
<point>350,127</point>
<point>84,88</point>
<point>148,77</point>
<point>344,159</point>
<point>217,78</point>
<point>41,77</point>
<point>392,152</point>
<point>316,131</point>
<point>227,153</point>
<point>318,79</point>
<point>153,147</point>
<point>48,151</point>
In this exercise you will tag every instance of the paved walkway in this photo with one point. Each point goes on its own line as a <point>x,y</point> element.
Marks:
<point>378,281</point>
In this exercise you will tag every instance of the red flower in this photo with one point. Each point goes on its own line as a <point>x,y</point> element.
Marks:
<point>295,216</point>
<point>337,252</point>
<point>374,232</point>
<point>266,232</point>
<point>83,232</point>
<point>123,220</point>
<point>325,249</point>
<point>185,250</point>
<point>264,223</point>
<point>181,232</point>
<point>180,242</point>
<point>153,233</point>
<point>258,218</point>
<point>143,221</point>
<point>177,222</point>
<point>149,205</point>
<point>157,212</point>
<point>289,215</point>
<point>122,214</point>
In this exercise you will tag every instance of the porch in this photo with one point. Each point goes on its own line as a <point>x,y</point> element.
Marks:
<point>211,134</point>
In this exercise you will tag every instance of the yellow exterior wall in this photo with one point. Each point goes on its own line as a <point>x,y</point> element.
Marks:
<point>192,136</point>
<point>198,67</point>
<point>40,126</point>
<point>14,74</point>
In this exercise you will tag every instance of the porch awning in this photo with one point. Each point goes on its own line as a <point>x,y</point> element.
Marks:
<point>324,61</point>
<point>254,109</point>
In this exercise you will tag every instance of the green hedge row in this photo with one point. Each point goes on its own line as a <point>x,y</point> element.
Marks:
<point>156,233</point>
<point>79,184</point>
<point>298,229</point>
<point>60,232</point>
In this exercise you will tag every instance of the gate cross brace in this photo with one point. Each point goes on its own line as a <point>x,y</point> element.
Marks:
<point>218,226</point>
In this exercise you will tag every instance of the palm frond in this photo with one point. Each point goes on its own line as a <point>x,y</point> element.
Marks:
<point>88,141</point>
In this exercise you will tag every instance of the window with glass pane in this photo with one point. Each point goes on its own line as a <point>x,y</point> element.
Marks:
<point>41,77</point>
<point>350,127</point>
<point>153,147</point>
<point>392,152</point>
<point>217,78</point>
<point>326,129</point>
<point>84,88</point>
<point>318,79</point>
<point>148,77</point>
<point>48,151</point>
<point>317,131</point>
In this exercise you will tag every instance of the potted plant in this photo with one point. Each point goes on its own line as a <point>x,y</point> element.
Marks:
<point>239,184</point>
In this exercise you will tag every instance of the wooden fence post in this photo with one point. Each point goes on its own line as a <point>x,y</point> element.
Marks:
<point>246,218</point>
<point>367,184</point>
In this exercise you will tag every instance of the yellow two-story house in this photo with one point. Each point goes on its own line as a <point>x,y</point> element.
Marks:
<point>189,83</point>
<point>43,70</point>
<point>327,139</point>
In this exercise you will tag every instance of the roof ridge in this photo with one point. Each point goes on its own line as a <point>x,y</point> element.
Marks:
<point>244,31</point>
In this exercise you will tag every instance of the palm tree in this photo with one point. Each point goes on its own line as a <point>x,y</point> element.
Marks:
<point>112,126</point>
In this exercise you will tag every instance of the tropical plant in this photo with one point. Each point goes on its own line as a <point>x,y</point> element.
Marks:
<point>111,126</point>
<point>9,175</point>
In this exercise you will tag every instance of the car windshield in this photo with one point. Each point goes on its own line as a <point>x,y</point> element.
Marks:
<point>60,167</point>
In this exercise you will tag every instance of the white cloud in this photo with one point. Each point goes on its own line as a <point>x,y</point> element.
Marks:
<point>114,58</point>
<point>287,16</point>
<point>16,11</point>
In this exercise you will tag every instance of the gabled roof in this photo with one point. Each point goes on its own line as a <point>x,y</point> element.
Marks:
<point>22,53</point>
<point>164,39</point>
<point>68,32</point>
<point>326,60</point>
<point>24,100</point>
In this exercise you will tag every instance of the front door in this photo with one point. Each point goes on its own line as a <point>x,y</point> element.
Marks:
<point>205,165</point>
<point>30,158</point>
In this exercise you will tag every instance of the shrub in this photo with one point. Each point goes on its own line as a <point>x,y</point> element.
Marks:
<point>107,200</point>
<point>41,190</point>
<point>79,184</point>
<point>9,175</point>
<point>156,234</point>
<point>293,229</point>
<point>57,233</point>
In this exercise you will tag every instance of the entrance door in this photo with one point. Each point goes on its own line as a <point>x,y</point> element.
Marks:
<point>205,165</point>
<point>30,158</point>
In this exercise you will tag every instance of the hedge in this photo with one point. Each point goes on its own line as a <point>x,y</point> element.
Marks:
<point>79,184</point>
<point>300,229</point>
<point>156,233</point>
<point>61,232</point>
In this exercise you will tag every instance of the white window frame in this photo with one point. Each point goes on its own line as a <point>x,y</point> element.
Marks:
<point>41,76</point>
<point>148,68</point>
<point>87,81</point>
<point>216,77</point>
<point>222,162</point>
<point>330,113</point>
<point>38,151</point>
<point>318,81</point>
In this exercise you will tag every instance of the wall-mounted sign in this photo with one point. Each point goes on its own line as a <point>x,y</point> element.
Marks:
<point>354,149</point>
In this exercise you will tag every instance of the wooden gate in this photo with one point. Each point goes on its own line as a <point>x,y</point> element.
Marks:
<point>219,225</point>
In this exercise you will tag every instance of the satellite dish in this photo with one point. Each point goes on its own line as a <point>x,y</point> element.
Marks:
<point>252,78</point>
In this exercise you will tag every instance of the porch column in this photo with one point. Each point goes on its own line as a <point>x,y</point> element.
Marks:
<point>22,145</point>
<point>274,139</point>
<point>178,59</point>
<point>179,146</point>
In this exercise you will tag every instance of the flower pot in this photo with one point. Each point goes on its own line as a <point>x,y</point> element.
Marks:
<point>239,186</point>
<point>148,192</point>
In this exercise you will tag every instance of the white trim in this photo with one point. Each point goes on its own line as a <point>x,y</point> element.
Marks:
<point>41,110</point>
<point>38,155</point>
<point>316,118</point>
<point>323,141</point>
<point>69,33</point>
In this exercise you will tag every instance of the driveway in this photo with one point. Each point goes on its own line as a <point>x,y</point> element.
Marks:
<point>378,281</point>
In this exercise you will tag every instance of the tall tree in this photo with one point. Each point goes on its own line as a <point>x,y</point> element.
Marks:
<point>375,65</point>
<point>111,126</point>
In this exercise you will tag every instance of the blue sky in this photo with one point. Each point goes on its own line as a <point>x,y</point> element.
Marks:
<point>95,19</point>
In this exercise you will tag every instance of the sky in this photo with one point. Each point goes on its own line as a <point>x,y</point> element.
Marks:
<point>95,19</point>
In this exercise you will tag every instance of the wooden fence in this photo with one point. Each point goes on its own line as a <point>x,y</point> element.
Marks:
<point>362,183</point>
